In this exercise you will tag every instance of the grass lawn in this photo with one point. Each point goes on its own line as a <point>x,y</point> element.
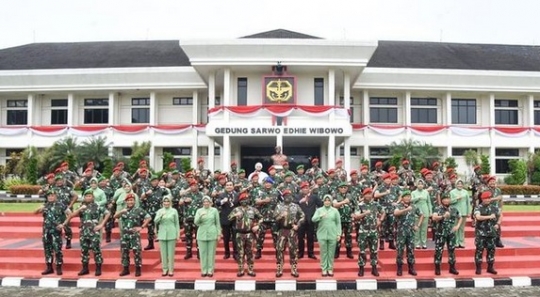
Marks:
<point>30,207</point>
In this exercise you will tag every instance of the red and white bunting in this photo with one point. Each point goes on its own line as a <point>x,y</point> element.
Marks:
<point>393,130</point>
<point>279,110</point>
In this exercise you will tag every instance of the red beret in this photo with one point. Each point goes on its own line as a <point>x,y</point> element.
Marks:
<point>453,176</point>
<point>379,163</point>
<point>90,163</point>
<point>477,167</point>
<point>88,170</point>
<point>233,163</point>
<point>222,176</point>
<point>120,164</point>
<point>405,162</point>
<point>304,185</point>
<point>189,174</point>
<point>392,168</point>
<point>142,162</point>
<point>255,175</point>
<point>193,182</point>
<point>367,191</point>
<point>143,170</point>
<point>427,172</point>
<point>353,172</point>
<point>243,196</point>
<point>57,170</point>
<point>491,178</point>
<point>49,176</point>
<point>130,196</point>
<point>116,169</point>
<point>485,195</point>
<point>449,169</point>
<point>364,167</point>
<point>64,164</point>
<point>271,168</point>
<point>394,176</point>
<point>172,165</point>
<point>339,161</point>
<point>200,160</point>
<point>386,176</point>
<point>435,164</point>
<point>331,170</point>
<point>314,160</point>
<point>286,192</point>
<point>423,170</point>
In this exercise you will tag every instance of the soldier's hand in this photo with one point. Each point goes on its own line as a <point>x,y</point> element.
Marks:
<point>496,226</point>
<point>124,210</point>
<point>149,192</point>
<point>97,228</point>
<point>454,229</point>
<point>338,238</point>
<point>446,215</point>
<point>295,227</point>
<point>238,215</point>
<point>255,229</point>
<point>367,212</point>
<point>82,207</point>
<point>59,227</point>
<point>415,228</point>
<point>492,216</point>
<point>409,208</point>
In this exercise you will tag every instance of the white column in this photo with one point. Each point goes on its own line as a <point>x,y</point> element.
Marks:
<point>347,90</point>
<point>407,114</point>
<point>194,148</point>
<point>365,107</point>
<point>212,90</point>
<point>226,153</point>
<point>152,153</point>
<point>448,108</point>
<point>491,110</point>
<point>153,110</point>
<point>365,152</point>
<point>236,156</point>
<point>279,142</point>
<point>323,159</point>
<point>211,156</point>
<point>195,110</point>
<point>492,134</point>
<point>331,91</point>
<point>71,109</point>
<point>30,108</point>
<point>112,108</point>
<point>347,154</point>
<point>226,92</point>
<point>331,162</point>
<point>530,111</point>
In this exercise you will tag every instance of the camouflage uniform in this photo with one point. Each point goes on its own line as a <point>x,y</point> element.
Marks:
<point>267,211</point>
<point>54,213</point>
<point>131,239</point>
<point>485,233</point>
<point>368,231</point>
<point>70,178</point>
<point>444,234</point>
<point>64,194</point>
<point>189,216</point>
<point>405,233</point>
<point>90,239</point>
<point>345,212</point>
<point>495,192</point>
<point>111,206</point>
<point>291,215</point>
<point>151,205</point>
<point>387,231</point>
<point>244,236</point>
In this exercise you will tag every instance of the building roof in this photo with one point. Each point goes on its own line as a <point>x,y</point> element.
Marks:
<point>111,54</point>
<point>435,55</point>
<point>281,34</point>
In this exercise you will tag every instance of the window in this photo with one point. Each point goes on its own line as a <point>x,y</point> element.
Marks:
<point>217,150</point>
<point>217,101</point>
<point>242,91</point>
<point>182,101</point>
<point>353,151</point>
<point>423,110</point>
<point>17,112</point>
<point>537,112</point>
<point>506,112</point>
<point>140,114</point>
<point>502,159</point>
<point>94,111</point>
<point>464,111</point>
<point>59,111</point>
<point>379,151</point>
<point>178,151</point>
<point>318,91</point>
<point>460,151</point>
<point>12,151</point>
<point>127,151</point>
<point>385,110</point>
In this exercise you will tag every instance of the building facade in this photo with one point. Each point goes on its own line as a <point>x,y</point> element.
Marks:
<point>235,100</point>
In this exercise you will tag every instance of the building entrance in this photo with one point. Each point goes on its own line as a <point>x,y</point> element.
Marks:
<point>250,155</point>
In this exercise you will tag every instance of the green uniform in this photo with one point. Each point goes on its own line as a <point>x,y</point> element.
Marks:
<point>131,239</point>
<point>345,212</point>
<point>267,211</point>
<point>459,199</point>
<point>90,239</point>
<point>422,201</point>
<point>405,233</point>
<point>289,215</point>
<point>444,234</point>
<point>208,231</point>
<point>190,209</point>
<point>54,213</point>
<point>328,230</point>
<point>387,202</point>
<point>168,232</point>
<point>64,194</point>
<point>244,235</point>
<point>368,231</point>
<point>485,233</point>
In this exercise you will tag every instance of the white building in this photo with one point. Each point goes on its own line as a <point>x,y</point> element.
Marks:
<point>454,96</point>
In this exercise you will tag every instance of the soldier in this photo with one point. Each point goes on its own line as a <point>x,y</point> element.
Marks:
<point>289,217</point>
<point>241,183</point>
<point>54,214</point>
<point>266,204</point>
<point>247,220</point>
<point>116,179</point>
<point>406,174</point>
<point>344,202</point>
<point>378,173</point>
<point>446,222</point>
<point>49,184</point>
<point>93,218</point>
<point>68,197</point>
<point>370,214</point>
<point>233,174</point>
<point>488,221</point>
<point>288,183</point>
<point>315,170</point>
<point>475,185</point>
<point>386,195</point>
<point>95,173</point>
<point>151,203</point>
<point>308,203</point>
<point>300,176</point>
<point>496,200</point>
<point>133,220</point>
<point>191,201</point>
<point>70,177</point>
<point>341,173</point>
<point>407,225</point>
<point>111,206</point>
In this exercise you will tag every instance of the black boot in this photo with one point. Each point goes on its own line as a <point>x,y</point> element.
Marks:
<point>499,243</point>
<point>84,270</point>
<point>412,271</point>
<point>150,245</point>
<point>374,271</point>
<point>138,271</point>
<point>336,254</point>
<point>453,270</point>
<point>108,236</point>
<point>491,269</point>
<point>399,270</point>
<point>391,245</point>
<point>59,269</point>
<point>437,269</point>
<point>478,268</point>
<point>349,253</point>
<point>188,255</point>
<point>258,254</point>
<point>68,244</point>
<point>227,255</point>
<point>98,270</point>
<point>361,271</point>
<point>48,270</point>
<point>125,271</point>
<point>381,245</point>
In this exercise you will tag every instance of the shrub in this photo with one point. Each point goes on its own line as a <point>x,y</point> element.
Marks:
<point>518,174</point>
<point>485,166</point>
<point>24,189</point>
<point>520,190</point>
<point>14,181</point>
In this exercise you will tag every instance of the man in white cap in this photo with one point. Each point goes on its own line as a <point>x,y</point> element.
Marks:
<point>258,170</point>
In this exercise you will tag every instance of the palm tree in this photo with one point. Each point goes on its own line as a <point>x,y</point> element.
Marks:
<point>420,154</point>
<point>471,158</point>
<point>65,149</point>
<point>93,149</point>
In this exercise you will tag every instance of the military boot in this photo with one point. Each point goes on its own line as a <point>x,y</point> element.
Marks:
<point>453,270</point>
<point>399,270</point>
<point>490,269</point>
<point>125,271</point>
<point>338,248</point>
<point>108,236</point>
<point>188,255</point>
<point>294,270</point>
<point>361,271</point>
<point>48,270</point>
<point>478,268</point>
<point>59,269</point>
<point>84,270</point>
<point>279,272</point>
<point>412,271</point>
<point>258,254</point>
<point>381,244</point>
<point>349,253</point>
<point>150,245</point>
<point>251,272</point>
<point>499,243</point>
<point>437,269</point>
<point>68,244</point>
<point>98,270</point>
<point>138,271</point>
<point>240,271</point>
<point>374,270</point>
<point>391,245</point>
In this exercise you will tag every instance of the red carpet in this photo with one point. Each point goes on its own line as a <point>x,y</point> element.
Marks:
<point>21,255</point>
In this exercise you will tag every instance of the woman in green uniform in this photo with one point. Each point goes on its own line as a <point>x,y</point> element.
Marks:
<point>166,221</point>
<point>422,201</point>
<point>207,219</point>
<point>328,233</point>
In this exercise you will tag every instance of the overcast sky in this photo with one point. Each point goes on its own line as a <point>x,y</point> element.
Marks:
<point>472,21</point>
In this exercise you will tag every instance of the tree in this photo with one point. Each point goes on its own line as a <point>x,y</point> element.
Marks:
<point>186,164</point>
<point>138,152</point>
<point>65,149</point>
<point>14,159</point>
<point>533,168</point>
<point>27,167</point>
<point>518,172</point>
<point>471,158</point>
<point>93,149</point>
<point>450,162</point>
<point>420,154</point>
<point>485,167</point>
<point>107,167</point>
<point>364,161</point>
<point>167,159</point>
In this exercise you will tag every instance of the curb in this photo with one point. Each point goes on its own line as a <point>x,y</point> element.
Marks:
<point>278,285</point>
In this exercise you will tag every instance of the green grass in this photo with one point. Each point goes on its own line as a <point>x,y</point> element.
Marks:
<point>523,207</point>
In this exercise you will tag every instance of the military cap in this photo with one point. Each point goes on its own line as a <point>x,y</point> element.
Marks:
<point>406,193</point>
<point>286,192</point>
<point>243,196</point>
<point>58,176</point>
<point>343,184</point>
<point>241,171</point>
<point>367,191</point>
<point>300,167</point>
<point>89,191</point>
<point>50,192</point>
<point>268,180</point>
<point>289,173</point>
<point>130,196</point>
<point>485,195</point>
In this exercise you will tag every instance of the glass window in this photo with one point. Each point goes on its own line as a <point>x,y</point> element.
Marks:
<point>319,91</point>
<point>463,111</point>
<point>17,117</point>
<point>424,115</point>
<point>140,115</point>
<point>383,101</point>
<point>217,150</point>
<point>183,101</point>
<point>506,152</point>
<point>127,151</point>
<point>59,116</point>
<point>96,102</point>
<point>96,116</point>
<point>379,151</point>
<point>13,150</point>
<point>140,101</point>
<point>17,103</point>
<point>506,103</point>
<point>460,151</point>
<point>59,102</point>
<point>242,91</point>
<point>383,114</point>
<point>506,116</point>
<point>537,117</point>
<point>178,151</point>
<point>424,101</point>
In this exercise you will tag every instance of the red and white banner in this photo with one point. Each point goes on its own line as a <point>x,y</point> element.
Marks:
<point>88,131</point>
<point>393,130</point>
<point>280,110</point>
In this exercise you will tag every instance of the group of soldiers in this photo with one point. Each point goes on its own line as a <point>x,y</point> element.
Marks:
<point>375,205</point>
